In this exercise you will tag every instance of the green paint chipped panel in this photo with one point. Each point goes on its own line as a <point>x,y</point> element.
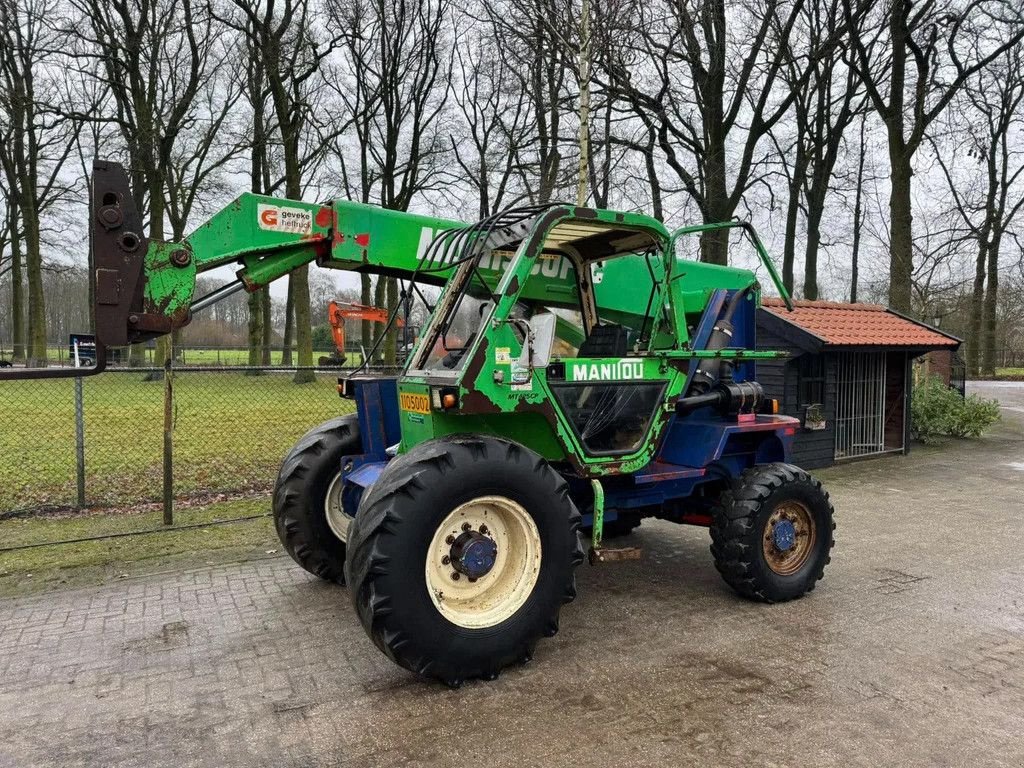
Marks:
<point>168,286</point>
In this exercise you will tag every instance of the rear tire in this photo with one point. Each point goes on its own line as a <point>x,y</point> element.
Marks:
<point>415,597</point>
<point>772,533</point>
<point>308,474</point>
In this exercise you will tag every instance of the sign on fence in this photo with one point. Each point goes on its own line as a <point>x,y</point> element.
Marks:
<point>82,349</point>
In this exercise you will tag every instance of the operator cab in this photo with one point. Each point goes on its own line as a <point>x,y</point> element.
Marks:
<point>565,278</point>
<point>558,317</point>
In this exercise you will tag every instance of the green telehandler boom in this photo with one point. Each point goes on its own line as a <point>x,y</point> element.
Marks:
<point>574,374</point>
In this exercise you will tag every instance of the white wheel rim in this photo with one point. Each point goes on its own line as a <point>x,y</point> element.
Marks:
<point>498,594</point>
<point>337,520</point>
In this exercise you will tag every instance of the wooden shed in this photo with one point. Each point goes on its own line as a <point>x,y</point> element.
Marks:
<point>848,377</point>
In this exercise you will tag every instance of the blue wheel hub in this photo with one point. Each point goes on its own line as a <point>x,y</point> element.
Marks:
<point>784,535</point>
<point>473,554</point>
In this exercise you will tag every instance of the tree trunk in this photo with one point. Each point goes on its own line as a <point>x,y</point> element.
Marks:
<point>815,210</point>
<point>36,339</point>
<point>17,292</point>
<point>657,208</point>
<point>714,244</point>
<point>974,335</point>
<point>857,214</point>
<point>289,325</point>
<point>379,297</point>
<point>365,296</point>
<point>989,326</point>
<point>796,184</point>
<point>391,340</point>
<point>266,309</point>
<point>303,326</point>
<point>901,246</point>
<point>255,339</point>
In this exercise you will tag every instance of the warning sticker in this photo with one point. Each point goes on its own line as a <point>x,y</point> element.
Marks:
<point>502,355</point>
<point>279,218</point>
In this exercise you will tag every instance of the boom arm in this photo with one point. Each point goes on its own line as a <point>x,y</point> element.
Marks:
<point>151,291</point>
<point>145,288</point>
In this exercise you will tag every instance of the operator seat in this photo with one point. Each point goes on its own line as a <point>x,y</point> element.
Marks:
<point>608,340</point>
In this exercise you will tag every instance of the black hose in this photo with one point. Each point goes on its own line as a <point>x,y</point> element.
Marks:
<point>709,371</point>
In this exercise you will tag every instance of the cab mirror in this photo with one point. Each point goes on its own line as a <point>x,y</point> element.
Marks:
<point>542,333</point>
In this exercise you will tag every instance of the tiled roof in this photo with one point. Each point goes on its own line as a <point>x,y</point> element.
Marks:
<point>840,324</point>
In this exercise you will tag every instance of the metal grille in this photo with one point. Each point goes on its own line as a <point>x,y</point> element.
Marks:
<point>860,404</point>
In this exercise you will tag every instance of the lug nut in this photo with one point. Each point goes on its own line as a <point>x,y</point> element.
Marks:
<point>483,529</point>
<point>445,560</point>
<point>466,527</point>
<point>450,539</point>
<point>455,575</point>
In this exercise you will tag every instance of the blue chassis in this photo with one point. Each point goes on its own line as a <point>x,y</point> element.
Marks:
<point>698,449</point>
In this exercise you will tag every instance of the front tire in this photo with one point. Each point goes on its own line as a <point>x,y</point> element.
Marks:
<point>308,513</point>
<point>772,533</point>
<point>461,556</point>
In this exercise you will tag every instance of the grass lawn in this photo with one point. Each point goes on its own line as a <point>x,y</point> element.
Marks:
<point>91,562</point>
<point>1009,371</point>
<point>230,433</point>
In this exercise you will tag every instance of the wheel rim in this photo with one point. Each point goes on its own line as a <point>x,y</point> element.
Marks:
<point>334,511</point>
<point>789,536</point>
<point>483,562</point>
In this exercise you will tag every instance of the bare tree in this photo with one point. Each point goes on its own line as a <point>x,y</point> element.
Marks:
<point>13,265</point>
<point>710,97</point>
<point>825,104</point>
<point>40,141</point>
<point>253,85</point>
<point>154,58</point>
<point>532,37</point>
<point>497,124</point>
<point>396,65</point>
<point>291,54</point>
<point>913,58</point>
<point>989,127</point>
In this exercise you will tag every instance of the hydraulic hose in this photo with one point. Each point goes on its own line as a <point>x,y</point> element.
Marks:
<point>709,371</point>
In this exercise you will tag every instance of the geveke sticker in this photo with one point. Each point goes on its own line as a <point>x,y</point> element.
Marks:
<point>416,403</point>
<point>280,218</point>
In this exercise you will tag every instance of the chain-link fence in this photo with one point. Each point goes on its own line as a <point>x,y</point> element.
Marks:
<point>99,441</point>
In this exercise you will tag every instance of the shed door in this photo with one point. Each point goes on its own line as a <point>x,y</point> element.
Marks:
<point>860,404</point>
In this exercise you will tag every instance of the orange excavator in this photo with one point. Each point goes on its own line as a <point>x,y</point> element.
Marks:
<point>340,311</point>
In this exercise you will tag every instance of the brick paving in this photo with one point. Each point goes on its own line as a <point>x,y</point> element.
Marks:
<point>910,652</point>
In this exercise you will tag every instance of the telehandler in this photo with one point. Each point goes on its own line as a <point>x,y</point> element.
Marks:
<point>574,373</point>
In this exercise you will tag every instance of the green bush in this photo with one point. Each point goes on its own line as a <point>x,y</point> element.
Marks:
<point>938,410</point>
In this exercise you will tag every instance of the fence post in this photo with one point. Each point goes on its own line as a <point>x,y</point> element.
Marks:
<point>168,441</point>
<point>79,442</point>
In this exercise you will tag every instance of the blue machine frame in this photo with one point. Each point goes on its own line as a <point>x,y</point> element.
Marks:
<point>697,449</point>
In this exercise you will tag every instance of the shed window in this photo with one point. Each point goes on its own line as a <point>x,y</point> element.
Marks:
<point>811,379</point>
